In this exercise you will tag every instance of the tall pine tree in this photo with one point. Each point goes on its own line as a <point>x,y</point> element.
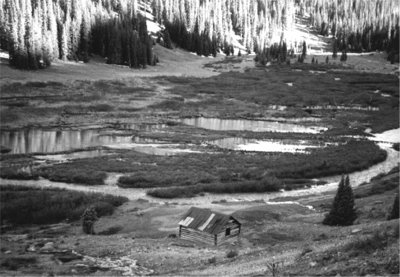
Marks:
<point>342,212</point>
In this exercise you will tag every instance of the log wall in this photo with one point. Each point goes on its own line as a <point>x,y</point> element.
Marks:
<point>234,235</point>
<point>204,237</point>
<point>195,235</point>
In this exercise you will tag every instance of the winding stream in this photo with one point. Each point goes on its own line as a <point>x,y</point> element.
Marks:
<point>356,178</point>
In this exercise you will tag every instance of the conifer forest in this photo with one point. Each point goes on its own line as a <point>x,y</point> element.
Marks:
<point>37,32</point>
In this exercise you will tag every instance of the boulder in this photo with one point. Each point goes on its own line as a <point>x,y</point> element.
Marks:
<point>48,247</point>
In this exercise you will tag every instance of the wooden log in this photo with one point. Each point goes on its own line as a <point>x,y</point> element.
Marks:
<point>194,235</point>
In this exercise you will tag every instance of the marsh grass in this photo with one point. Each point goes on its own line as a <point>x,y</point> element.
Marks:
<point>16,174</point>
<point>202,171</point>
<point>69,174</point>
<point>26,205</point>
<point>267,184</point>
<point>269,86</point>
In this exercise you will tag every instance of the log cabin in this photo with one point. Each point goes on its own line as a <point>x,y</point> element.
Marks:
<point>206,226</point>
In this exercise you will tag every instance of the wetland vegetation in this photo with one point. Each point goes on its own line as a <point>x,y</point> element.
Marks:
<point>27,205</point>
<point>257,94</point>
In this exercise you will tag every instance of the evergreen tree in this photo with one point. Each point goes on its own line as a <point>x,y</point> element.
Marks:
<point>167,40</point>
<point>394,213</point>
<point>304,51</point>
<point>342,212</point>
<point>84,42</point>
<point>343,57</point>
<point>335,50</point>
<point>89,217</point>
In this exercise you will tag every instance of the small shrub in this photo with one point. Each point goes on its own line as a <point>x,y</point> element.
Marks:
<point>232,253</point>
<point>89,217</point>
<point>275,267</point>
<point>212,260</point>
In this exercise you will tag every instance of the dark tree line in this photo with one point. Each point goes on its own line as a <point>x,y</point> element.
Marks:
<point>275,53</point>
<point>35,32</point>
<point>200,42</point>
<point>124,40</point>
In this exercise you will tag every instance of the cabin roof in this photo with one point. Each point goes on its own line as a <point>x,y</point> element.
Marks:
<point>205,220</point>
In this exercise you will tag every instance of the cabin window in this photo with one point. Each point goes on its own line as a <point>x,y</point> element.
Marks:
<point>227,232</point>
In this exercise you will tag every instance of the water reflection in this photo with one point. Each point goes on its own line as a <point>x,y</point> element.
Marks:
<point>250,125</point>
<point>144,127</point>
<point>73,156</point>
<point>150,148</point>
<point>263,145</point>
<point>48,141</point>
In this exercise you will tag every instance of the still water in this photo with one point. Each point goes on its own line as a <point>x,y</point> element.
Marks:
<point>250,125</point>
<point>282,146</point>
<point>49,141</point>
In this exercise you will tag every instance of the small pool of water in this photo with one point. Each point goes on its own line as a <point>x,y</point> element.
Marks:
<point>159,149</point>
<point>250,125</point>
<point>146,127</point>
<point>341,107</point>
<point>50,141</point>
<point>73,156</point>
<point>243,144</point>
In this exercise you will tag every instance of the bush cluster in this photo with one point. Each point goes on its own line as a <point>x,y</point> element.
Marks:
<point>25,205</point>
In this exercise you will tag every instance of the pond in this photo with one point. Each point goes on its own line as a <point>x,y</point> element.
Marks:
<point>54,141</point>
<point>49,141</point>
<point>283,146</point>
<point>250,125</point>
<point>73,155</point>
